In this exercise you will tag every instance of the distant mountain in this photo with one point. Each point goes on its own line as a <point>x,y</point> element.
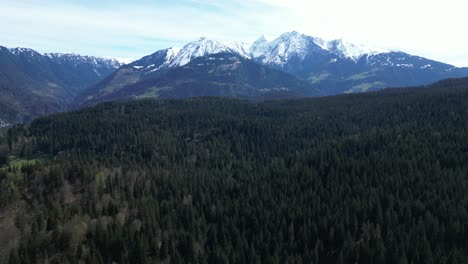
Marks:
<point>203,47</point>
<point>338,66</point>
<point>80,72</point>
<point>292,65</point>
<point>34,84</point>
<point>334,67</point>
<point>221,74</point>
<point>293,47</point>
<point>161,61</point>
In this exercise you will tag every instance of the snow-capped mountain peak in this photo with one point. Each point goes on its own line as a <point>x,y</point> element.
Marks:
<point>175,57</point>
<point>261,39</point>
<point>161,59</point>
<point>259,47</point>
<point>205,46</point>
<point>25,51</point>
<point>122,60</point>
<point>349,50</point>
<point>64,58</point>
<point>281,49</point>
<point>290,44</point>
<point>172,52</point>
<point>80,59</point>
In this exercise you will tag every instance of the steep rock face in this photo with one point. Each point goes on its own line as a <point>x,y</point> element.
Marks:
<point>33,84</point>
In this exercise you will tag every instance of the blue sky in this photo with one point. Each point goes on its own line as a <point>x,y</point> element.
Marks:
<point>132,29</point>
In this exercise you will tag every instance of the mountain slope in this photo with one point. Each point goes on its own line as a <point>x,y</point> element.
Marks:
<point>221,74</point>
<point>32,84</point>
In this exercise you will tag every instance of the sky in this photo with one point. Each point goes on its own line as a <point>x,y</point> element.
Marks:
<point>131,29</point>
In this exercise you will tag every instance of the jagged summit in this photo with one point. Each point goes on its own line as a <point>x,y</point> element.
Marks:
<point>333,66</point>
<point>289,45</point>
<point>350,50</point>
<point>205,46</point>
<point>261,39</point>
<point>24,51</point>
<point>175,57</point>
<point>79,59</point>
<point>283,48</point>
<point>293,43</point>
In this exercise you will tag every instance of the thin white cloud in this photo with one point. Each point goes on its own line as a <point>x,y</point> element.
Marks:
<point>433,29</point>
<point>71,27</point>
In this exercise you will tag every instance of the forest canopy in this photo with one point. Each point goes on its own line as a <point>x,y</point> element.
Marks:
<point>367,178</point>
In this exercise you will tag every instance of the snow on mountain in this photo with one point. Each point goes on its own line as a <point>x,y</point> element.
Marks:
<point>121,60</point>
<point>280,50</point>
<point>353,51</point>
<point>203,47</point>
<point>172,53</point>
<point>170,57</point>
<point>335,66</point>
<point>174,57</point>
<point>290,44</point>
<point>79,59</point>
<point>276,52</point>
<point>290,47</point>
<point>25,51</point>
<point>259,47</point>
<point>68,57</point>
<point>161,59</point>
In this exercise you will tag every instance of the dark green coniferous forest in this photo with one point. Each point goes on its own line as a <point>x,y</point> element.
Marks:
<point>364,178</point>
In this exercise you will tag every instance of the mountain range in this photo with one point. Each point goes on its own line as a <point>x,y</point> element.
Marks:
<point>220,74</point>
<point>34,84</point>
<point>328,68</point>
<point>290,66</point>
<point>338,66</point>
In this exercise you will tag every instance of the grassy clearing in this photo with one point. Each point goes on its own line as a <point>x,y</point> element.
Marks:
<point>19,162</point>
<point>360,76</point>
<point>318,78</point>
<point>364,87</point>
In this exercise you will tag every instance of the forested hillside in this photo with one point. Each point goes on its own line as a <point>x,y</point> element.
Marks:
<point>369,178</point>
